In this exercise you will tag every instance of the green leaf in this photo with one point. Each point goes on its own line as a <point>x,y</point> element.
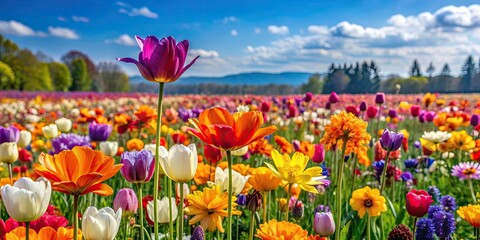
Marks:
<point>392,208</point>
<point>344,232</point>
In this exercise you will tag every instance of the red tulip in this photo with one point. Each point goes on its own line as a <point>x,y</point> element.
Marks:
<point>212,154</point>
<point>418,202</point>
<point>372,112</point>
<point>354,110</point>
<point>415,110</point>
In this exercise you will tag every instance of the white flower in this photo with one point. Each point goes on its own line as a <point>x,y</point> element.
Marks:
<point>180,162</point>
<point>100,224</point>
<point>243,108</point>
<point>436,136</point>
<point>109,148</point>
<point>162,210</point>
<point>240,152</point>
<point>150,147</point>
<point>25,138</point>
<point>8,152</point>
<point>64,124</point>
<point>27,200</point>
<point>50,131</point>
<point>221,180</point>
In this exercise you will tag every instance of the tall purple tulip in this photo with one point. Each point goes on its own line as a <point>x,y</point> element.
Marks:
<point>138,167</point>
<point>380,98</point>
<point>391,141</point>
<point>10,134</point>
<point>333,98</point>
<point>126,199</point>
<point>99,132</point>
<point>161,60</point>
<point>363,106</point>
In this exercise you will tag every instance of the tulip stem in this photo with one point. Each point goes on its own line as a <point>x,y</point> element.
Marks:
<point>414,226</point>
<point>289,195</point>
<point>75,216</point>
<point>229,222</point>
<point>252,224</point>
<point>384,172</point>
<point>10,173</point>
<point>369,225</point>
<point>470,184</point>
<point>140,195</point>
<point>338,190</point>
<point>157,164</point>
<point>27,230</point>
<point>375,134</point>
<point>125,228</point>
<point>170,207</point>
<point>265,195</point>
<point>180,214</point>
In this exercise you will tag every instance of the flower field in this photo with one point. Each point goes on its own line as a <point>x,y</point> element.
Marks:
<point>138,166</point>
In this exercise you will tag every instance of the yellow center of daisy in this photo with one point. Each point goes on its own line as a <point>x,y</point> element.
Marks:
<point>469,171</point>
<point>368,203</point>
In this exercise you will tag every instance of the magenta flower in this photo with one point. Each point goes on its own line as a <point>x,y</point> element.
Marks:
<point>162,60</point>
<point>466,170</point>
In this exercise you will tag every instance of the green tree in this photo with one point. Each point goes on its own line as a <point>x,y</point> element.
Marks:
<point>32,74</point>
<point>415,69</point>
<point>79,74</point>
<point>468,73</point>
<point>445,70</point>
<point>314,84</point>
<point>355,85</point>
<point>110,78</point>
<point>7,77</point>
<point>375,81</point>
<point>430,70</point>
<point>60,76</point>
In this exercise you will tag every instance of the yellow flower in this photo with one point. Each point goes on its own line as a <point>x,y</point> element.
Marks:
<point>292,170</point>
<point>209,207</point>
<point>204,173</point>
<point>346,127</point>
<point>368,200</point>
<point>263,180</point>
<point>460,140</point>
<point>428,99</point>
<point>273,230</point>
<point>471,214</point>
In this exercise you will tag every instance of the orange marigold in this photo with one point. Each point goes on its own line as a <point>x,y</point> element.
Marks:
<point>285,145</point>
<point>261,147</point>
<point>346,127</point>
<point>273,230</point>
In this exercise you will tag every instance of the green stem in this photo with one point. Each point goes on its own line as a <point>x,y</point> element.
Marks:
<point>338,191</point>
<point>252,224</point>
<point>140,195</point>
<point>229,222</point>
<point>27,230</point>
<point>170,207</point>
<point>375,134</point>
<point>470,184</point>
<point>369,225</point>
<point>157,162</point>
<point>289,195</point>
<point>180,214</point>
<point>384,172</point>
<point>75,216</point>
<point>125,228</point>
<point>10,173</point>
<point>265,195</point>
<point>414,227</point>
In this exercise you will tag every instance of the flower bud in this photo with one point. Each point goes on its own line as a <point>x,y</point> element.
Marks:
<point>64,124</point>
<point>50,131</point>
<point>297,210</point>
<point>380,98</point>
<point>25,138</point>
<point>324,224</point>
<point>109,148</point>
<point>8,152</point>
<point>126,199</point>
<point>474,120</point>
<point>333,98</point>
<point>254,201</point>
<point>363,106</point>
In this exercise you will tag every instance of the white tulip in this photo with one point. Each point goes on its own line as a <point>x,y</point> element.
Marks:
<point>436,136</point>
<point>109,148</point>
<point>100,224</point>
<point>27,200</point>
<point>221,180</point>
<point>162,210</point>
<point>180,162</point>
<point>64,124</point>
<point>240,152</point>
<point>8,152</point>
<point>25,138</point>
<point>150,147</point>
<point>50,131</point>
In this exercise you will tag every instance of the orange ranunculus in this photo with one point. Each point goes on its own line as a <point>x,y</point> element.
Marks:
<point>217,127</point>
<point>78,171</point>
<point>44,233</point>
<point>135,144</point>
<point>261,147</point>
<point>285,145</point>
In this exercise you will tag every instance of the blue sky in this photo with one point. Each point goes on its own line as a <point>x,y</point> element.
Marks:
<point>270,36</point>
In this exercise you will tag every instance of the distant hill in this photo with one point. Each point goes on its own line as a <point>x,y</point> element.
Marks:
<point>251,78</point>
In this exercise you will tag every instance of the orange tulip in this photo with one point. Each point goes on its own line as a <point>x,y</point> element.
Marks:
<point>44,233</point>
<point>217,127</point>
<point>78,171</point>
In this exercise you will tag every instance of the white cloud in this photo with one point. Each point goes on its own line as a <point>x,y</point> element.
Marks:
<point>462,16</point>
<point>61,19</point>
<point>234,32</point>
<point>16,28</point>
<point>229,19</point>
<point>322,30</point>
<point>257,30</point>
<point>143,11</point>
<point>63,32</point>
<point>80,19</point>
<point>124,39</point>
<point>279,30</point>
<point>203,53</point>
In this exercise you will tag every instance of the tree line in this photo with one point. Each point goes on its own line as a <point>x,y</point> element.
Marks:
<point>21,69</point>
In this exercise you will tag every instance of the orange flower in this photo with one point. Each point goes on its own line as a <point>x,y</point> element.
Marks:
<point>273,230</point>
<point>44,233</point>
<point>78,171</point>
<point>262,179</point>
<point>145,113</point>
<point>204,173</point>
<point>261,146</point>
<point>170,117</point>
<point>307,148</point>
<point>135,144</point>
<point>286,146</point>
<point>346,127</point>
<point>217,127</point>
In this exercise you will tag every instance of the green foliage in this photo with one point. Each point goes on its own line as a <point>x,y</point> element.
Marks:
<point>7,77</point>
<point>110,78</point>
<point>80,79</point>
<point>408,85</point>
<point>314,84</point>
<point>336,82</point>
<point>60,76</point>
<point>37,78</point>
<point>415,69</point>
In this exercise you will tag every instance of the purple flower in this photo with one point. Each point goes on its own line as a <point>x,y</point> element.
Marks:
<point>444,224</point>
<point>411,163</point>
<point>434,192</point>
<point>449,204</point>
<point>474,120</point>
<point>425,230</point>
<point>137,166</point>
<point>380,98</point>
<point>185,114</point>
<point>406,176</point>
<point>242,199</point>
<point>429,116</point>
<point>333,98</point>
<point>467,170</point>
<point>198,233</point>
<point>10,134</point>
<point>363,106</point>
<point>434,209</point>
<point>161,60</point>
<point>126,199</point>
<point>308,96</point>
<point>99,132</point>
<point>391,141</point>
<point>392,113</point>
<point>67,141</point>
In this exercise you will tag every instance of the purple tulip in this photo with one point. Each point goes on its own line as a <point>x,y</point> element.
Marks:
<point>10,134</point>
<point>319,154</point>
<point>137,166</point>
<point>333,98</point>
<point>392,113</point>
<point>161,60</point>
<point>474,120</point>
<point>323,224</point>
<point>308,97</point>
<point>363,106</point>
<point>99,132</point>
<point>126,199</point>
<point>380,98</point>
<point>391,141</point>
<point>429,116</point>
